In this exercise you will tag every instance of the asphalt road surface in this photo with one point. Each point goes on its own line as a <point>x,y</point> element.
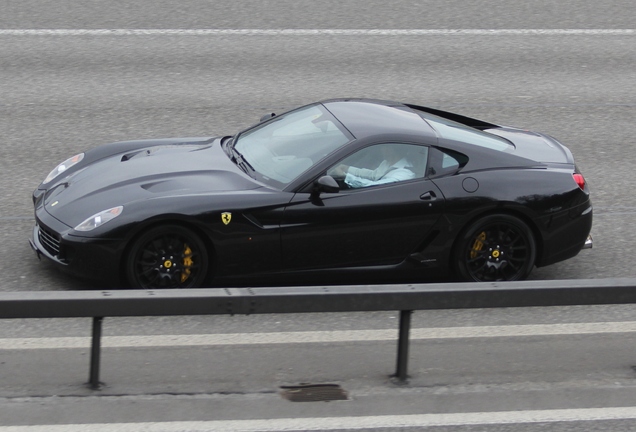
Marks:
<point>206,68</point>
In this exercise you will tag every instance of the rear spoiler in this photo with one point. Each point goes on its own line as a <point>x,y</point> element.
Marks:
<point>467,121</point>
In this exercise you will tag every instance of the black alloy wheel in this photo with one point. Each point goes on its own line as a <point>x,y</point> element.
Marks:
<point>496,248</point>
<point>168,256</point>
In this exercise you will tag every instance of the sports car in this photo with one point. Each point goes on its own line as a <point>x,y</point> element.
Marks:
<point>341,190</point>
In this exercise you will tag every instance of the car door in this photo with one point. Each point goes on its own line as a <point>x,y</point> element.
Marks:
<point>371,225</point>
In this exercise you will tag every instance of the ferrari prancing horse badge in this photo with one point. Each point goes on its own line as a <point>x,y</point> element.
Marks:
<point>226,217</point>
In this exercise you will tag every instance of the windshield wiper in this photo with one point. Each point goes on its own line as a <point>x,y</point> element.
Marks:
<point>240,161</point>
<point>226,145</point>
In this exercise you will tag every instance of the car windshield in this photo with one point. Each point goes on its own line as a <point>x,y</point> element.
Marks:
<point>288,145</point>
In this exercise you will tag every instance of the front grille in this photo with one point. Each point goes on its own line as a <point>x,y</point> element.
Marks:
<point>50,241</point>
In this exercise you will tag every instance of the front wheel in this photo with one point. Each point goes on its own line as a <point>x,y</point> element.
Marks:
<point>168,256</point>
<point>495,248</point>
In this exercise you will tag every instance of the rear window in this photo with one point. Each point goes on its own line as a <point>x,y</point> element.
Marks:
<point>451,130</point>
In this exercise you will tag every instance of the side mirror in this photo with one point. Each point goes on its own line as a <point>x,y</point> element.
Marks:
<point>326,184</point>
<point>267,117</point>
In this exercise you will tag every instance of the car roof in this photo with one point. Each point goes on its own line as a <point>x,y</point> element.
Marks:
<point>368,117</point>
<point>377,120</point>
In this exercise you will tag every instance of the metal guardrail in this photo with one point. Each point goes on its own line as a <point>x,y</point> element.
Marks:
<point>281,300</point>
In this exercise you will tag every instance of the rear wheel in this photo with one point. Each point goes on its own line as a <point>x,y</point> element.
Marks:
<point>168,256</point>
<point>496,248</point>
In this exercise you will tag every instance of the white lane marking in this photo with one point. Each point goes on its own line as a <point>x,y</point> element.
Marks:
<point>317,32</point>
<point>319,336</point>
<point>348,423</point>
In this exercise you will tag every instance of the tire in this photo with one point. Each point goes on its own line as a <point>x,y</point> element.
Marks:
<point>495,248</point>
<point>167,256</point>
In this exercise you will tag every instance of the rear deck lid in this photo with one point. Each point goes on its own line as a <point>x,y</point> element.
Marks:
<point>534,146</point>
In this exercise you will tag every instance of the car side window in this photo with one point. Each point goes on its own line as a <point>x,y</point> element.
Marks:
<point>381,164</point>
<point>444,162</point>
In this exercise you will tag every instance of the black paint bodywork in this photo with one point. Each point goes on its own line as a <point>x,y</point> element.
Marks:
<point>396,231</point>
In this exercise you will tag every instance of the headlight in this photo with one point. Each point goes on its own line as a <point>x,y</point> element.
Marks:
<point>99,219</point>
<point>63,167</point>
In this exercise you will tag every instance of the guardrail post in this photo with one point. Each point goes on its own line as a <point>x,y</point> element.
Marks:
<point>401,373</point>
<point>96,340</point>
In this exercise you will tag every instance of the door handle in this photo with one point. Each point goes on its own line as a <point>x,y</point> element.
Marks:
<point>428,196</point>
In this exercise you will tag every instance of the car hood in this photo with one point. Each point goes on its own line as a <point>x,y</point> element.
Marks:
<point>159,171</point>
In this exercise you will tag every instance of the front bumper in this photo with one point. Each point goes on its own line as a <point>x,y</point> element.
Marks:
<point>86,258</point>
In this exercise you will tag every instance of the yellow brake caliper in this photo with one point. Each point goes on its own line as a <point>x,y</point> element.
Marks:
<point>187,263</point>
<point>478,245</point>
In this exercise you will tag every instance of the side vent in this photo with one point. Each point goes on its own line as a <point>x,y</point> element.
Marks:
<point>419,256</point>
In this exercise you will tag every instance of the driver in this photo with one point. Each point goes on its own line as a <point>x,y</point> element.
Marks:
<point>394,167</point>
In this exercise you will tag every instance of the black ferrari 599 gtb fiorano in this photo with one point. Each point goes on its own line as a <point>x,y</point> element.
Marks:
<point>339,190</point>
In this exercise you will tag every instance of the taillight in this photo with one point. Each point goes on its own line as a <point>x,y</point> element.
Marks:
<point>580,180</point>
